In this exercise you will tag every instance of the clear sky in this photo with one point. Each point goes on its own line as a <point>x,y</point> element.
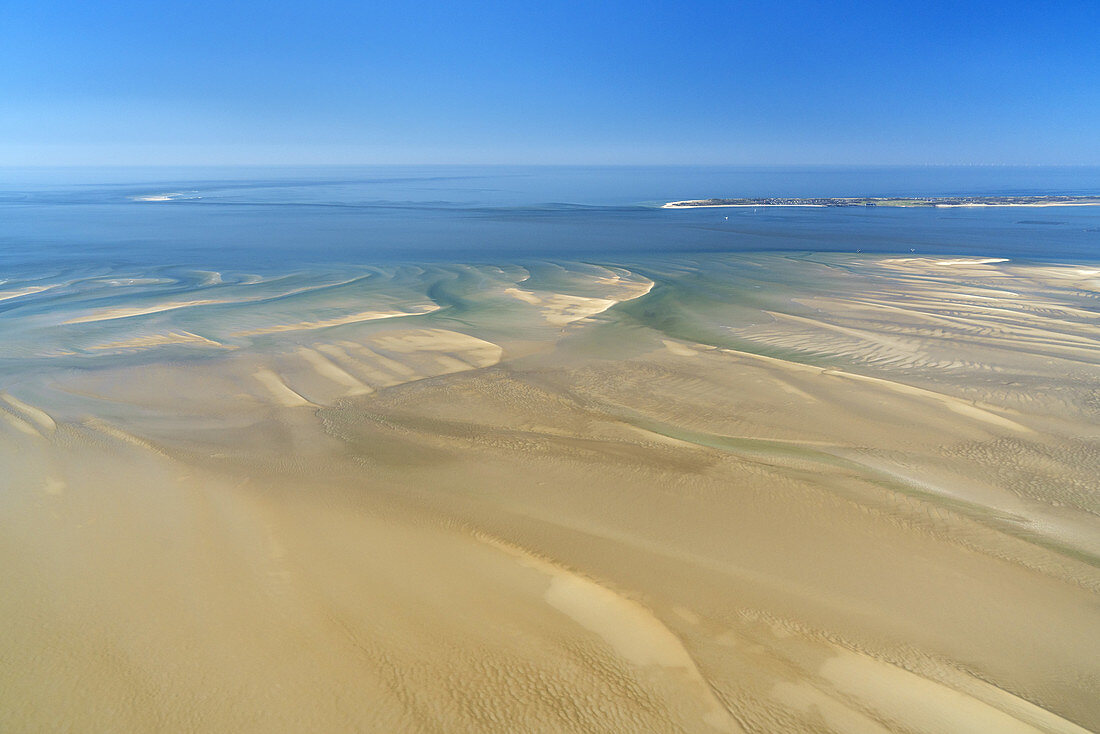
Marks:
<point>100,82</point>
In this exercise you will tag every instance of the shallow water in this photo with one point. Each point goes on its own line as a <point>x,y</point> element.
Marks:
<point>75,243</point>
<point>407,450</point>
<point>272,218</point>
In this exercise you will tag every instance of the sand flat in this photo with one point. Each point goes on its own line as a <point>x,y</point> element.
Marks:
<point>109,314</point>
<point>560,309</point>
<point>352,318</point>
<point>778,493</point>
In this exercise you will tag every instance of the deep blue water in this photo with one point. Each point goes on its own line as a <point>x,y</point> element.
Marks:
<point>260,218</point>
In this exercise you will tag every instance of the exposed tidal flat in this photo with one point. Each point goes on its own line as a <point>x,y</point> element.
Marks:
<point>727,492</point>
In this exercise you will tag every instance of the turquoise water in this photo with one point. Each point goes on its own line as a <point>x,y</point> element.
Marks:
<point>98,265</point>
<point>264,219</point>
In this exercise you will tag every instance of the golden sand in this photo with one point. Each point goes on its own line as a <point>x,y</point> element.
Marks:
<point>866,505</point>
<point>352,318</point>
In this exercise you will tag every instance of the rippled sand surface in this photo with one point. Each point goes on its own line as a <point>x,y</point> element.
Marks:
<point>750,493</point>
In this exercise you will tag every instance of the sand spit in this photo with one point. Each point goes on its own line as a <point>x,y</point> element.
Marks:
<point>628,628</point>
<point>282,394</point>
<point>352,318</point>
<point>170,196</point>
<point>560,309</point>
<point>20,292</point>
<point>250,298</point>
<point>110,314</point>
<point>775,493</point>
<point>158,340</point>
<point>30,413</point>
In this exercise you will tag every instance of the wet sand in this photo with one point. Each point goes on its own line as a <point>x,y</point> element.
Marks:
<point>748,493</point>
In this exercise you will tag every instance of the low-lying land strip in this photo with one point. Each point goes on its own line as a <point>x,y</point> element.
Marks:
<point>932,201</point>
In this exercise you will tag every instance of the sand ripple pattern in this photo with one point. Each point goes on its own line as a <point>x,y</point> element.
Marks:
<point>753,493</point>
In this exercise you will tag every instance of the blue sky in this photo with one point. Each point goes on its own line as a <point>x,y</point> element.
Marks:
<point>96,82</point>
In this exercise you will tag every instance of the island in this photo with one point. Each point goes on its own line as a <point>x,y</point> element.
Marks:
<point>922,201</point>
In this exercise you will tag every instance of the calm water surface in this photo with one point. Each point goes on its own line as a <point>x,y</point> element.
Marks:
<point>259,219</point>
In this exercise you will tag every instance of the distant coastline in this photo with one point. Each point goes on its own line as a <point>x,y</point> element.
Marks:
<point>905,202</point>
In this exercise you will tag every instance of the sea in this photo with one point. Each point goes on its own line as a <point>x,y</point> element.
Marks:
<point>107,265</point>
<point>274,218</point>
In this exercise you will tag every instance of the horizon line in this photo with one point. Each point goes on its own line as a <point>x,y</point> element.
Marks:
<point>324,164</point>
